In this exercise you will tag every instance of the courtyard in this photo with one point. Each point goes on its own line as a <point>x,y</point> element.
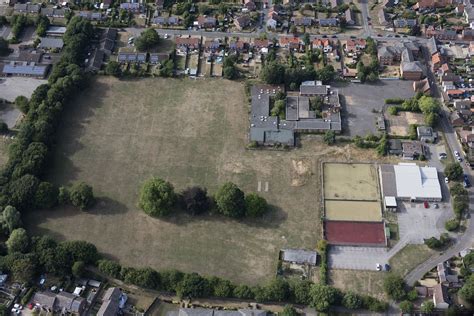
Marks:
<point>189,133</point>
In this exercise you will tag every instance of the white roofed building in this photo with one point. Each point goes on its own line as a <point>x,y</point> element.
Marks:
<point>409,182</point>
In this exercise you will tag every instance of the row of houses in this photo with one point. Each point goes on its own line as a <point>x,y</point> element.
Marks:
<point>30,8</point>
<point>138,58</point>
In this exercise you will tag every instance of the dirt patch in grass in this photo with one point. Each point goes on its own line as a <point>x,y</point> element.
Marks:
<point>300,172</point>
<point>409,257</point>
<point>362,282</point>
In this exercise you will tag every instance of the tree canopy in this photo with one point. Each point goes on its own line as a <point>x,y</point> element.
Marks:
<point>18,241</point>
<point>453,171</point>
<point>10,219</point>
<point>255,205</point>
<point>147,40</point>
<point>82,196</point>
<point>394,286</point>
<point>195,200</point>
<point>230,200</point>
<point>157,197</point>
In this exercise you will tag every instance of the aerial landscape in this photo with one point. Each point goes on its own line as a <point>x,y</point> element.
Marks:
<point>236,158</point>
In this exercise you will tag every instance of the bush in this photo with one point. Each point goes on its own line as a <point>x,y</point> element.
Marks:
<point>46,196</point>
<point>230,200</point>
<point>452,224</point>
<point>289,310</point>
<point>407,307</point>
<point>453,171</point>
<point>255,205</point>
<point>193,285</point>
<point>157,197</point>
<point>110,268</point>
<point>393,110</point>
<point>394,286</point>
<point>394,101</point>
<point>26,298</point>
<point>351,301</point>
<point>78,269</point>
<point>330,138</point>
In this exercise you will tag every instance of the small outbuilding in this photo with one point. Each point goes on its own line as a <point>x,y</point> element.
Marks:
<point>299,256</point>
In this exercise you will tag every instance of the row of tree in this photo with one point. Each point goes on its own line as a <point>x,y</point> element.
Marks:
<point>274,72</point>
<point>429,106</point>
<point>20,184</point>
<point>192,285</point>
<point>158,198</point>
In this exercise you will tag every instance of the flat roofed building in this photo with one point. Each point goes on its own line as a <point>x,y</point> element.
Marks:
<point>409,182</point>
<point>51,43</point>
<point>299,256</point>
<point>390,203</point>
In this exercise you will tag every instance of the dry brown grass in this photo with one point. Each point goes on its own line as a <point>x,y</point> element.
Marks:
<point>117,134</point>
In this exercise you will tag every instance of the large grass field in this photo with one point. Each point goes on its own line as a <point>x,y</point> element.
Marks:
<point>117,134</point>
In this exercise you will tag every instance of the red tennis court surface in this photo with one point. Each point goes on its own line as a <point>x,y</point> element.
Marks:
<point>355,233</point>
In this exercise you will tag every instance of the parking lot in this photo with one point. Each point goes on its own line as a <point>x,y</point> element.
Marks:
<point>363,102</point>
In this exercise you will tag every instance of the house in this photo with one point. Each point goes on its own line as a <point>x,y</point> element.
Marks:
<point>395,147</point>
<point>468,35</point>
<point>350,20</point>
<point>124,57</point>
<point>97,59</point>
<point>322,44</point>
<point>159,4</point>
<point>112,302</point>
<point>412,150</point>
<point>292,43</point>
<point>92,16</point>
<point>455,93</point>
<point>212,45</point>
<point>61,303</point>
<point>402,23</point>
<point>206,22</point>
<point>70,303</point>
<point>426,134</point>
<point>456,119</point>
<point>445,276</point>
<point>238,46</point>
<point>185,43</point>
<point>299,256</point>
<point>334,3</point>
<point>440,297</point>
<point>107,43</point>
<point>431,4</point>
<point>432,46</point>
<point>242,22</point>
<point>55,31</point>
<point>328,22</point>
<point>355,45</point>
<point>54,13</point>
<point>158,58</point>
<point>302,21</point>
<point>260,43</point>
<point>388,55</point>
<point>132,7</point>
<point>26,8</point>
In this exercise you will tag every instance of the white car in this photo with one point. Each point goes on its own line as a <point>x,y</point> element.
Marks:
<point>166,36</point>
<point>378,267</point>
<point>446,180</point>
<point>456,153</point>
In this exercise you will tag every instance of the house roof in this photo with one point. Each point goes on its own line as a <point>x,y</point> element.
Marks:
<point>69,302</point>
<point>412,148</point>
<point>440,294</point>
<point>299,256</point>
<point>355,233</point>
<point>313,89</point>
<point>46,299</point>
<point>25,69</point>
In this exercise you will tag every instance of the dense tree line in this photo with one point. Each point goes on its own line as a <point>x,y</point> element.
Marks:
<point>430,107</point>
<point>158,198</point>
<point>274,72</point>
<point>193,285</point>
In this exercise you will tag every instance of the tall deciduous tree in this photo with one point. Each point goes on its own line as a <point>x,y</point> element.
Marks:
<point>230,200</point>
<point>157,197</point>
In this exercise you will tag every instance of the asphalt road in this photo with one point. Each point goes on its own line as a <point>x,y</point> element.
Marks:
<point>465,240</point>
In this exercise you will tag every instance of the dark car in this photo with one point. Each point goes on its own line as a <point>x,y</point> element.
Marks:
<point>467,183</point>
<point>397,35</point>
<point>387,267</point>
<point>353,37</point>
<point>325,36</point>
<point>334,36</point>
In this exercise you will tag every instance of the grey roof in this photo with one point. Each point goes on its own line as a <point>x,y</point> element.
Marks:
<point>299,256</point>
<point>25,69</point>
<point>328,21</point>
<point>98,58</point>
<point>424,131</point>
<point>131,57</point>
<point>158,57</point>
<point>56,30</point>
<point>45,299</point>
<point>111,301</point>
<point>389,185</point>
<point>130,6</point>
<point>313,89</point>
<point>69,302</point>
<point>195,312</point>
<point>412,66</point>
<point>292,108</point>
<point>404,22</point>
<point>51,43</point>
<point>432,46</point>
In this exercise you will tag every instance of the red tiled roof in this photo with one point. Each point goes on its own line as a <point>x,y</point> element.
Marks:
<point>355,233</point>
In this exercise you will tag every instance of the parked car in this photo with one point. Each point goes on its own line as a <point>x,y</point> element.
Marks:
<point>426,204</point>
<point>378,267</point>
<point>456,153</point>
<point>446,180</point>
<point>459,159</point>
<point>436,205</point>
<point>387,267</point>
<point>442,155</point>
<point>466,183</point>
